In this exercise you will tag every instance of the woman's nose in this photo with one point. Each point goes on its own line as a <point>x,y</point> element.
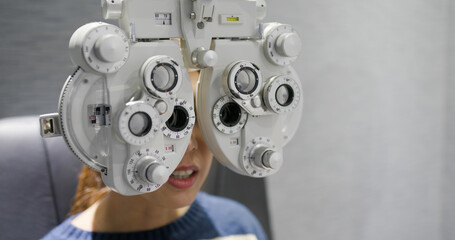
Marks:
<point>193,143</point>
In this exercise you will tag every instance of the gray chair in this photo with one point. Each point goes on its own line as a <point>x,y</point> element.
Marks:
<point>38,178</point>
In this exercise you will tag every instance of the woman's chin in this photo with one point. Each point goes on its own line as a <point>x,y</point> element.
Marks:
<point>179,198</point>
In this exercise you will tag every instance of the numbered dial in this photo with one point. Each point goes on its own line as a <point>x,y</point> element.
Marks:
<point>282,94</point>
<point>147,170</point>
<point>99,47</point>
<point>162,76</point>
<point>228,117</point>
<point>282,44</point>
<point>138,123</point>
<point>182,120</point>
<point>242,80</point>
<point>260,157</point>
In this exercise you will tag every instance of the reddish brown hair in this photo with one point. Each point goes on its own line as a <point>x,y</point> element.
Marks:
<point>89,190</point>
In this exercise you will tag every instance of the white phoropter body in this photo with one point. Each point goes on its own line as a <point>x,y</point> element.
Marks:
<point>114,122</point>
<point>128,110</point>
<point>269,94</point>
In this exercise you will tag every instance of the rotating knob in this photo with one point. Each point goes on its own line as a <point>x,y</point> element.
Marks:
<point>99,48</point>
<point>272,159</point>
<point>204,58</point>
<point>282,44</point>
<point>151,171</point>
<point>282,94</point>
<point>108,48</point>
<point>162,76</point>
<point>265,157</point>
<point>242,80</point>
<point>138,123</point>
<point>289,44</point>
<point>157,173</point>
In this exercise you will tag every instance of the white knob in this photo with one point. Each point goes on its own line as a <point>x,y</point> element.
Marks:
<point>157,173</point>
<point>265,157</point>
<point>109,48</point>
<point>272,159</point>
<point>161,106</point>
<point>256,101</point>
<point>205,58</point>
<point>289,44</point>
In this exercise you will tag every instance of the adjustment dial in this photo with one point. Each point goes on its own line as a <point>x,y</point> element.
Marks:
<point>261,158</point>
<point>228,117</point>
<point>242,80</point>
<point>181,122</point>
<point>282,94</point>
<point>282,44</point>
<point>162,76</point>
<point>288,44</point>
<point>147,170</point>
<point>138,123</point>
<point>99,47</point>
<point>204,58</point>
<point>264,157</point>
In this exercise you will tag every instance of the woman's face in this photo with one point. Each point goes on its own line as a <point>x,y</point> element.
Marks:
<point>189,176</point>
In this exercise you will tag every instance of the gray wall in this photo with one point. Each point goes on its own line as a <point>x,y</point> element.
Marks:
<point>448,191</point>
<point>34,58</point>
<point>371,159</point>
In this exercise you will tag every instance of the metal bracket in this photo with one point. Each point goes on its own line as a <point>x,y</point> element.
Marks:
<point>50,125</point>
<point>203,12</point>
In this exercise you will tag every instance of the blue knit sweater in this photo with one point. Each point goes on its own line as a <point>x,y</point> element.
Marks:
<point>208,217</point>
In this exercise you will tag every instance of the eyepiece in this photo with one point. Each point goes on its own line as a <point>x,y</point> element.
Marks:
<point>164,77</point>
<point>178,120</point>
<point>230,114</point>
<point>284,95</point>
<point>140,124</point>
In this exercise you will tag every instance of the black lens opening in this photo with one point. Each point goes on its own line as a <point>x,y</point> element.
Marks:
<point>230,114</point>
<point>178,120</point>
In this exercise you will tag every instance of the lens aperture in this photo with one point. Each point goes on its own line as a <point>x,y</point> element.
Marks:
<point>246,80</point>
<point>164,77</point>
<point>284,95</point>
<point>140,124</point>
<point>230,114</point>
<point>178,120</point>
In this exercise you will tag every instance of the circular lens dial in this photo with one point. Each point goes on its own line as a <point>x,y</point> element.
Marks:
<point>282,94</point>
<point>138,123</point>
<point>228,116</point>
<point>243,80</point>
<point>162,76</point>
<point>181,122</point>
<point>246,80</point>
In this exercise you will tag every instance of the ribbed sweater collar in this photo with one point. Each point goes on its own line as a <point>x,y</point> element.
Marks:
<point>182,228</point>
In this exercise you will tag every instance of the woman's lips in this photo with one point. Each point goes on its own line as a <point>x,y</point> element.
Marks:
<point>183,177</point>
